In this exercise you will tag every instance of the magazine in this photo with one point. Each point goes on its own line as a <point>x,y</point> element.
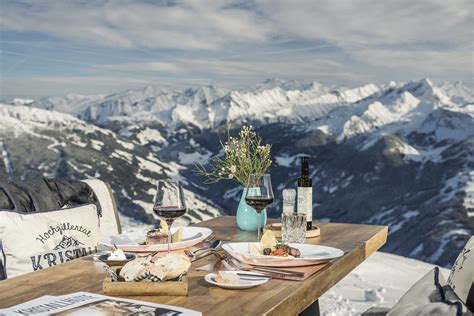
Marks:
<point>83,303</point>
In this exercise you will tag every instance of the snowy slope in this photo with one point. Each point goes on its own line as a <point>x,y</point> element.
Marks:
<point>356,110</point>
<point>210,106</point>
<point>71,103</point>
<point>46,143</point>
<point>400,154</point>
<point>379,281</point>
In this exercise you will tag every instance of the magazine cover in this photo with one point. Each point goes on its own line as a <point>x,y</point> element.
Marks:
<point>83,303</point>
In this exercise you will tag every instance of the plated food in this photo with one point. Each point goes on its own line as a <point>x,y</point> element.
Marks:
<point>269,246</point>
<point>160,235</point>
<point>268,252</point>
<point>156,240</point>
<point>117,258</point>
<point>118,254</point>
<point>227,277</point>
<point>232,281</point>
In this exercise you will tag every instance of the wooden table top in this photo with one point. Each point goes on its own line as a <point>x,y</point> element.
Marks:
<point>276,297</point>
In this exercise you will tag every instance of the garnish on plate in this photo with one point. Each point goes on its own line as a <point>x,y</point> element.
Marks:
<point>269,246</point>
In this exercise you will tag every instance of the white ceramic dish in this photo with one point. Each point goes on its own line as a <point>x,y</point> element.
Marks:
<point>129,242</point>
<point>310,255</point>
<point>244,284</point>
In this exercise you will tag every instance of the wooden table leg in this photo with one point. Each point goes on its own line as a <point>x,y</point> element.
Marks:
<point>312,310</point>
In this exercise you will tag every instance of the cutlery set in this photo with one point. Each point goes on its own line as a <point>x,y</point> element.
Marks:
<point>235,264</point>
<point>203,252</point>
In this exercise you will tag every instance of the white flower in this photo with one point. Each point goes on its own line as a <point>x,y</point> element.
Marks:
<point>231,176</point>
<point>233,169</point>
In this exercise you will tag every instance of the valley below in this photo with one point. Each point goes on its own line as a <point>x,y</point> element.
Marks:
<point>400,154</point>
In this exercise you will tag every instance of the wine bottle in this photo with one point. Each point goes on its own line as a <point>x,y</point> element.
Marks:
<point>305,193</point>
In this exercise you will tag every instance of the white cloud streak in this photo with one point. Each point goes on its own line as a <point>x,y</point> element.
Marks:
<point>204,25</point>
<point>241,42</point>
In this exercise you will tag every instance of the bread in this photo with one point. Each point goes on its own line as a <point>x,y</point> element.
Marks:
<point>171,266</point>
<point>135,268</point>
<point>166,268</point>
<point>227,278</point>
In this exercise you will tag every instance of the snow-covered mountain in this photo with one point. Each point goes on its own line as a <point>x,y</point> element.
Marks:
<point>400,154</point>
<point>37,142</point>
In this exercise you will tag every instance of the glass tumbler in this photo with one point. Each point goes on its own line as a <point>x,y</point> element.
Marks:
<point>293,228</point>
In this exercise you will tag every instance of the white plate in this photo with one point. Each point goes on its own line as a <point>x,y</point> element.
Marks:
<point>244,284</point>
<point>310,255</point>
<point>129,242</point>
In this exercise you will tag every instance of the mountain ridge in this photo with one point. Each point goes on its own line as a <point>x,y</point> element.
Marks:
<point>399,154</point>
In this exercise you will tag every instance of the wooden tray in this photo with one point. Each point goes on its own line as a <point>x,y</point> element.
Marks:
<point>276,229</point>
<point>143,288</point>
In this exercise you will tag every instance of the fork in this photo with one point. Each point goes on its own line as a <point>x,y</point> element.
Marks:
<point>209,238</point>
<point>193,257</point>
<point>216,244</point>
<point>236,264</point>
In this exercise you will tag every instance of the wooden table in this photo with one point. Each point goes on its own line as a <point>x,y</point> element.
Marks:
<point>276,297</point>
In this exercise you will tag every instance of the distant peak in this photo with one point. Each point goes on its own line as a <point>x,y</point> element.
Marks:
<point>274,80</point>
<point>392,84</point>
<point>287,85</point>
<point>420,87</point>
<point>154,89</point>
<point>426,82</point>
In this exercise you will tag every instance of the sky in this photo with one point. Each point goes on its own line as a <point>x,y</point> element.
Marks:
<point>99,47</point>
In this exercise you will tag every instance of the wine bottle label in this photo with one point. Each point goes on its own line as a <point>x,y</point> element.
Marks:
<point>305,202</point>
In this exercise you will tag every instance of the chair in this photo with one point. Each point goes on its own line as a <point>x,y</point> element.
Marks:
<point>110,221</point>
<point>432,295</point>
<point>41,202</point>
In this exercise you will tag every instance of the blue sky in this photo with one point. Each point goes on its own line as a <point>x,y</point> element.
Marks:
<point>95,47</point>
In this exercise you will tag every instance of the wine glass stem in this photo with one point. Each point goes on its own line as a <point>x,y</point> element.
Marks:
<point>258,226</point>
<point>169,222</point>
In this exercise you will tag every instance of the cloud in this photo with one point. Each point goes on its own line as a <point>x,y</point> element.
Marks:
<point>372,22</point>
<point>204,25</point>
<point>157,66</point>
<point>247,70</point>
<point>213,24</point>
<point>235,43</point>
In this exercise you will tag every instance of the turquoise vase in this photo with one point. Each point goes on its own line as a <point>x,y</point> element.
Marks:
<point>247,217</point>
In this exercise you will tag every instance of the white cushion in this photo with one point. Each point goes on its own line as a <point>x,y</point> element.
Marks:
<point>109,222</point>
<point>40,240</point>
<point>462,272</point>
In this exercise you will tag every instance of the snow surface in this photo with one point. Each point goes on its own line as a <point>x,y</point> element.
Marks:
<point>149,135</point>
<point>195,157</point>
<point>379,281</point>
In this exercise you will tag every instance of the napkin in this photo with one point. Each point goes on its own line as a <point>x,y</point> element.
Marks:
<point>308,270</point>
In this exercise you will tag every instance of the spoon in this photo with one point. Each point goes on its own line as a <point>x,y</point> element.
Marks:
<point>203,252</point>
